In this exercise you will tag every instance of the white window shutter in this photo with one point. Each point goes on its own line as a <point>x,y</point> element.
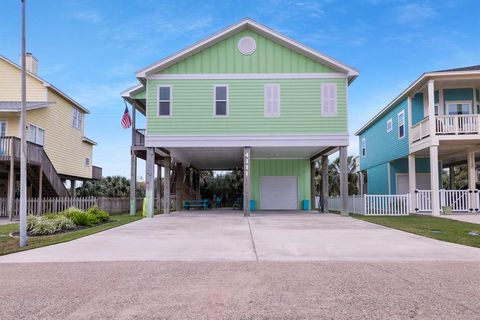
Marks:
<point>329,99</point>
<point>272,100</point>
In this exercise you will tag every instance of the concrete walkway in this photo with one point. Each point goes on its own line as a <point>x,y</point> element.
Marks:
<point>470,217</point>
<point>228,236</point>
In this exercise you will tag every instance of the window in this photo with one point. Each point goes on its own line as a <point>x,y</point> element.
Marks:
<point>435,106</point>
<point>3,128</point>
<point>329,99</point>
<point>77,119</point>
<point>364,147</point>
<point>458,107</point>
<point>221,100</point>
<point>164,101</point>
<point>87,162</point>
<point>401,124</point>
<point>271,100</point>
<point>36,134</point>
<point>389,125</point>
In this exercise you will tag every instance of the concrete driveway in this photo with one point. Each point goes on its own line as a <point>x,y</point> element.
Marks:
<point>228,236</point>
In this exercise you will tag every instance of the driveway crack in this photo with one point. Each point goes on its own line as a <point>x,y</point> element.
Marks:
<point>253,241</point>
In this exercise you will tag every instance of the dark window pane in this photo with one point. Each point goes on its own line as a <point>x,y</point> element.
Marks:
<point>164,93</point>
<point>221,108</point>
<point>164,108</point>
<point>401,131</point>
<point>221,93</point>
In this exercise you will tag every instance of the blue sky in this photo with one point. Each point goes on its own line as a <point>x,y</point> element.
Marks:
<point>90,49</point>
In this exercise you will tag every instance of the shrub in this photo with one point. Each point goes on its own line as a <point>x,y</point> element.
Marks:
<point>101,215</point>
<point>49,224</point>
<point>81,218</point>
<point>31,222</point>
<point>44,227</point>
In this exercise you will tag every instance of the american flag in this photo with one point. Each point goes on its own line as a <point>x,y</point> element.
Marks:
<point>126,120</point>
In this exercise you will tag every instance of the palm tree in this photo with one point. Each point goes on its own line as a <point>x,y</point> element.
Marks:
<point>334,177</point>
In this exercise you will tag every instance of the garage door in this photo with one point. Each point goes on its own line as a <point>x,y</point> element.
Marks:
<point>279,193</point>
<point>423,182</point>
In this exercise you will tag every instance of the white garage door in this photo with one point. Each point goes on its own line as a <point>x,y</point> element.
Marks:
<point>423,182</point>
<point>278,193</point>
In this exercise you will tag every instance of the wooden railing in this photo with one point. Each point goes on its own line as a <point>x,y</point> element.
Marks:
<point>96,173</point>
<point>458,124</point>
<point>139,137</point>
<point>48,205</point>
<point>420,130</point>
<point>447,125</point>
<point>11,146</point>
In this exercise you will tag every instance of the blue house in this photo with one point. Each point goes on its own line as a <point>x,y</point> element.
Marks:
<point>433,125</point>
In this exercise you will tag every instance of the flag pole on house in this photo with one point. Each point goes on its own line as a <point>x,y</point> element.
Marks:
<point>23,153</point>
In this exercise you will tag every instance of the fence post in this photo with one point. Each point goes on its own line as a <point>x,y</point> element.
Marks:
<point>365,204</point>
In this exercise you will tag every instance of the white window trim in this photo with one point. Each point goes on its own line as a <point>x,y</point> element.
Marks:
<point>469,102</point>
<point>398,125</point>
<point>158,100</point>
<point>265,100</point>
<point>389,125</point>
<point>6,126</point>
<point>38,127</point>
<point>215,101</point>
<point>364,147</point>
<point>323,112</point>
<point>80,113</point>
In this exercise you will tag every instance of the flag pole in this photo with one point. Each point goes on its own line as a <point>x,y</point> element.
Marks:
<point>23,164</point>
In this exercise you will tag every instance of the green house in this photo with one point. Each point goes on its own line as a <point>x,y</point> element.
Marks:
<point>245,97</point>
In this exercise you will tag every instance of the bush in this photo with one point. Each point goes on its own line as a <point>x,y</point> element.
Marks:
<point>49,224</point>
<point>81,218</point>
<point>31,222</point>
<point>101,215</point>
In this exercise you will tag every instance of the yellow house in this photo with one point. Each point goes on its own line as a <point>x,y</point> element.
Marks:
<point>58,149</point>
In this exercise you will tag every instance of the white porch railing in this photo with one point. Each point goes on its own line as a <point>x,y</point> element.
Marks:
<point>447,125</point>
<point>420,130</point>
<point>458,200</point>
<point>458,124</point>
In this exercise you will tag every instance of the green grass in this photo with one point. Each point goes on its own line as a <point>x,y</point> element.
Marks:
<point>10,245</point>
<point>431,227</point>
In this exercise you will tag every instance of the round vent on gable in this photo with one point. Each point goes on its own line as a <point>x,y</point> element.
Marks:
<point>247,45</point>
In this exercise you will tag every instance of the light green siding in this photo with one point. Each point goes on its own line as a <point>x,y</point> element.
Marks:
<point>140,95</point>
<point>299,168</point>
<point>192,108</point>
<point>269,57</point>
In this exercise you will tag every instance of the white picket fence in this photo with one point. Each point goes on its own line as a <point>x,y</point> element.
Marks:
<point>379,205</point>
<point>458,200</point>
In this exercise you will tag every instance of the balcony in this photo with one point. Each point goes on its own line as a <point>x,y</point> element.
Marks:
<point>445,125</point>
<point>96,173</point>
<point>139,138</point>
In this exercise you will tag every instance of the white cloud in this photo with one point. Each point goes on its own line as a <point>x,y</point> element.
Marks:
<point>414,14</point>
<point>89,16</point>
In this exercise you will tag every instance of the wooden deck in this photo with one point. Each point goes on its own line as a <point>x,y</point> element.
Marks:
<point>37,160</point>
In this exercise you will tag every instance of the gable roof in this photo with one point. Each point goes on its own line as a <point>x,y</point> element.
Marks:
<point>47,84</point>
<point>248,23</point>
<point>416,86</point>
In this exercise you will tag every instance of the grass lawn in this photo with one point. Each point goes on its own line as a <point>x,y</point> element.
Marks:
<point>431,227</point>
<point>10,245</point>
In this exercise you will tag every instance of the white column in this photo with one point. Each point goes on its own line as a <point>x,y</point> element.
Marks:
<point>431,109</point>
<point>434,180</point>
<point>343,181</point>
<point>409,117</point>
<point>472,179</point>
<point>149,179</point>
<point>133,168</point>
<point>246,181</point>
<point>325,183</point>
<point>166,185</point>
<point>412,183</point>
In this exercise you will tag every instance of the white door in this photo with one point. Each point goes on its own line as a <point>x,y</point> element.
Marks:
<point>423,182</point>
<point>279,193</point>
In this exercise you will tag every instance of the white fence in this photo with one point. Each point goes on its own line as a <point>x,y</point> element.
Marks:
<point>54,205</point>
<point>458,200</point>
<point>380,205</point>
